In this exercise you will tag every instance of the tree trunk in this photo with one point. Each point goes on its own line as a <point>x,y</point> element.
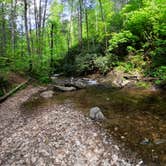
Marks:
<point>27,34</point>
<point>87,26</point>
<point>80,23</point>
<point>44,14</point>
<point>51,44</point>
<point>3,31</point>
<point>13,25</point>
<point>104,21</point>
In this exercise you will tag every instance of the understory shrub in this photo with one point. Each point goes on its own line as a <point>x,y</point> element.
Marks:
<point>85,63</point>
<point>160,73</point>
<point>120,41</point>
<point>105,63</point>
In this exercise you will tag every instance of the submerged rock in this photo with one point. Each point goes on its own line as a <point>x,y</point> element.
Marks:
<point>159,141</point>
<point>64,89</point>
<point>47,94</point>
<point>81,83</point>
<point>96,114</point>
<point>145,141</point>
<point>58,75</point>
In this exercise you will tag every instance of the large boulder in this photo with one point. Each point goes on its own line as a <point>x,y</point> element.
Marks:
<point>47,94</point>
<point>64,88</point>
<point>81,83</point>
<point>120,79</point>
<point>96,114</point>
<point>77,83</point>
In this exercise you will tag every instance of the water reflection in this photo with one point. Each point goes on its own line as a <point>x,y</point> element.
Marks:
<point>136,118</point>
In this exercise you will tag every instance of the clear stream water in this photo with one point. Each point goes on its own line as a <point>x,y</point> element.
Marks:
<point>135,118</point>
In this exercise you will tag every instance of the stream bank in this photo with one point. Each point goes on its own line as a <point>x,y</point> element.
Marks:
<point>135,117</point>
<point>42,132</point>
<point>40,126</point>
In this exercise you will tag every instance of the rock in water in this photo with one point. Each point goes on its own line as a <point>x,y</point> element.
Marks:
<point>159,141</point>
<point>96,114</point>
<point>63,88</point>
<point>145,141</point>
<point>47,94</point>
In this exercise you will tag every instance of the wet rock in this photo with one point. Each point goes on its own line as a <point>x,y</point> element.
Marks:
<point>145,141</point>
<point>54,79</point>
<point>96,114</point>
<point>47,94</point>
<point>76,83</point>
<point>58,75</point>
<point>64,89</point>
<point>81,83</point>
<point>159,141</point>
<point>55,76</point>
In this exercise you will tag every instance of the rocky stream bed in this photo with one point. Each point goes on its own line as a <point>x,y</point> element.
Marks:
<point>54,134</point>
<point>43,128</point>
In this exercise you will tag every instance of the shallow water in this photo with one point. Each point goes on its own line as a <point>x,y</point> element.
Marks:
<point>135,118</point>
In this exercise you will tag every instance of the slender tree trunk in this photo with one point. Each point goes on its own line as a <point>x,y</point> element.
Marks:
<point>36,25</point>
<point>39,29</point>
<point>27,34</point>
<point>3,31</point>
<point>13,25</point>
<point>68,41</point>
<point>30,33</point>
<point>44,13</point>
<point>22,36</point>
<point>71,25</point>
<point>43,23</point>
<point>80,23</point>
<point>87,26</point>
<point>103,20</point>
<point>96,21</point>
<point>51,44</point>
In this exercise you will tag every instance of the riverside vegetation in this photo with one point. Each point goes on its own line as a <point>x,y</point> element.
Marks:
<point>79,37</point>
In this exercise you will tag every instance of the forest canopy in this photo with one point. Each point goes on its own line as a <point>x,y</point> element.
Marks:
<point>78,37</point>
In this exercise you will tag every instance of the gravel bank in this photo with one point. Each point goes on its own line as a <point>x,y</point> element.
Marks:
<point>59,135</point>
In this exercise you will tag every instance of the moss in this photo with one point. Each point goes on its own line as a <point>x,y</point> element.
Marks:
<point>142,84</point>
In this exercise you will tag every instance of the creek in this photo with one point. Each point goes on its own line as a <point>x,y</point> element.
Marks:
<point>135,118</point>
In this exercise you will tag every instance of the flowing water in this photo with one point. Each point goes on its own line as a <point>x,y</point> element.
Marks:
<point>135,118</point>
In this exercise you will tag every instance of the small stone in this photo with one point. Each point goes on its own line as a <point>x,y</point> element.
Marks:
<point>78,143</point>
<point>145,141</point>
<point>159,141</point>
<point>96,114</point>
<point>140,163</point>
<point>116,129</point>
<point>33,159</point>
<point>47,94</point>
<point>64,89</point>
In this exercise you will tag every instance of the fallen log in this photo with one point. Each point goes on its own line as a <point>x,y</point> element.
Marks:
<point>150,79</point>
<point>13,91</point>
